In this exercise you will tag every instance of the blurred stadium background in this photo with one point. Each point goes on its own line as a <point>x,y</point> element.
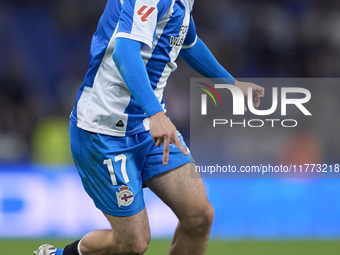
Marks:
<point>43,57</point>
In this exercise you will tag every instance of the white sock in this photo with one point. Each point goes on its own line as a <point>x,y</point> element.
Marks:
<point>78,248</point>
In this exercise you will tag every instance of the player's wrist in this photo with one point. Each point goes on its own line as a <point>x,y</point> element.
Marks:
<point>152,106</point>
<point>157,114</point>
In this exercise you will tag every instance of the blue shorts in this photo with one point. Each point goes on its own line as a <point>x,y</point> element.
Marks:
<point>113,169</point>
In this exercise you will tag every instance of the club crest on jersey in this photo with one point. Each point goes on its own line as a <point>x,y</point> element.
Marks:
<point>124,197</point>
<point>179,40</point>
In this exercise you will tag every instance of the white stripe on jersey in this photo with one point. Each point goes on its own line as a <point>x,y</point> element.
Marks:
<point>144,29</point>
<point>107,102</point>
<point>108,85</point>
<point>147,56</point>
<point>190,45</point>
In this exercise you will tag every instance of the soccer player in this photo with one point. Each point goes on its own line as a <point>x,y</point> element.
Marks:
<point>121,139</point>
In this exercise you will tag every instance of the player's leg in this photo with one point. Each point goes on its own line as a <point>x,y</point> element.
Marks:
<point>186,196</point>
<point>110,170</point>
<point>129,235</point>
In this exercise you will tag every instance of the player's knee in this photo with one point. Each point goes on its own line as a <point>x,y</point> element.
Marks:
<point>131,247</point>
<point>199,220</point>
<point>135,249</point>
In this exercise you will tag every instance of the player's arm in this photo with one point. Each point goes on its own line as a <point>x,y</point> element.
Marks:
<point>136,29</point>
<point>200,58</point>
<point>129,62</point>
<point>197,55</point>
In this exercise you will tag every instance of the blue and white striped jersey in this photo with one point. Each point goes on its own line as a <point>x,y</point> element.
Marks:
<point>104,103</point>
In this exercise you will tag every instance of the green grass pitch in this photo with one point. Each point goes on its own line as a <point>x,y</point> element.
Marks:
<point>215,247</point>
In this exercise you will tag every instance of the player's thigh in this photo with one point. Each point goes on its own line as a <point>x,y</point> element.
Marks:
<point>184,194</point>
<point>131,230</point>
<point>110,169</point>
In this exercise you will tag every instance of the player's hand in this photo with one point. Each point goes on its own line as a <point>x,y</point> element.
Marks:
<point>163,131</point>
<point>258,92</point>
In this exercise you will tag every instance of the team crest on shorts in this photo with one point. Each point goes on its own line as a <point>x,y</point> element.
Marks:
<point>125,196</point>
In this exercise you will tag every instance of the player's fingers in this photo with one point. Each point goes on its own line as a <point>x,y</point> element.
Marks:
<point>166,150</point>
<point>180,146</point>
<point>256,102</point>
<point>159,142</point>
<point>259,91</point>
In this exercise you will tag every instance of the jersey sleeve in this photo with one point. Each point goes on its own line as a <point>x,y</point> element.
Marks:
<point>191,37</point>
<point>200,58</point>
<point>138,20</point>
